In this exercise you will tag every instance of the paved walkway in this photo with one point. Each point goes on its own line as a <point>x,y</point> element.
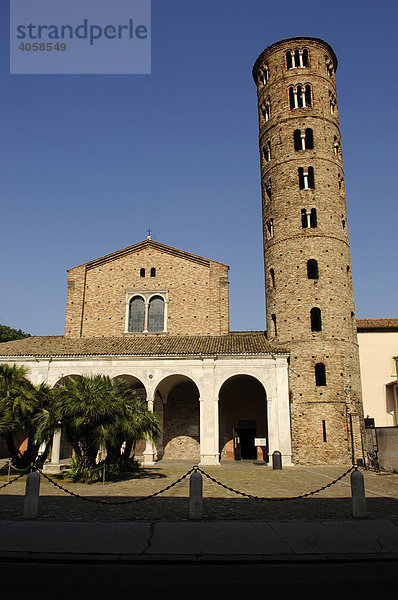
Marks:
<point>319,527</point>
<point>199,542</point>
<point>219,504</point>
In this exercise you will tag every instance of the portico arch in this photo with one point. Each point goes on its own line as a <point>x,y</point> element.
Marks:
<point>181,417</point>
<point>134,383</point>
<point>242,418</point>
<point>65,378</point>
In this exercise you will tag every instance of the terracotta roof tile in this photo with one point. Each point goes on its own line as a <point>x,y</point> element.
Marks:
<point>143,345</point>
<point>377,324</point>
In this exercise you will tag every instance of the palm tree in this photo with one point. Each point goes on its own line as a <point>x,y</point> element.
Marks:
<point>85,408</point>
<point>97,412</point>
<point>26,417</point>
<point>135,423</point>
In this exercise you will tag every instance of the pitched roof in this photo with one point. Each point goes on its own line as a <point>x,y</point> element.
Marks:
<point>147,244</point>
<point>377,325</point>
<point>233,343</point>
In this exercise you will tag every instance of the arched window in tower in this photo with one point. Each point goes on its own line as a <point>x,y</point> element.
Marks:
<point>299,140</point>
<point>142,272</point>
<point>308,218</point>
<point>313,218</point>
<point>136,322</point>
<point>270,228</point>
<point>266,111</point>
<point>272,277</point>
<point>303,140</point>
<point>153,272</point>
<point>273,317</point>
<point>312,269</point>
<point>336,147</point>
<point>329,66</point>
<point>297,59</point>
<point>300,96</point>
<point>320,374</point>
<point>293,98</point>
<point>306,178</point>
<point>332,103</point>
<point>156,314</point>
<point>309,139</point>
<point>267,151</point>
<point>307,96</point>
<point>263,75</point>
<point>268,189</point>
<point>316,321</point>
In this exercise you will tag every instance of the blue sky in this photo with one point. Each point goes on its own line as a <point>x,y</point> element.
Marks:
<point>89,162</point>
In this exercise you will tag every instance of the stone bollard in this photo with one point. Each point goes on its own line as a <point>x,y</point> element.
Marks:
<point>276,460</point>
<point>195,496</point>
<point>31,504</point>
<point>358,494</point>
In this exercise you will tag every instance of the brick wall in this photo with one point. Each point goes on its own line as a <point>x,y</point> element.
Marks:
<point>290,294</point>
<point>196,288</point>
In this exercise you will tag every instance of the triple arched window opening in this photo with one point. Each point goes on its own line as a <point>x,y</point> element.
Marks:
<point>300,96</point>
<point>297,58</point>
<point>146,317</point>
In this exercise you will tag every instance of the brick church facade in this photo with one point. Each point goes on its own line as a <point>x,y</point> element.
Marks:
<point>158,316</point>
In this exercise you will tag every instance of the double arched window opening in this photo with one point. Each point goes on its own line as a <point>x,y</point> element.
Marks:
<point>303,140</point>
<point>306,178</point>
<point>146,316</point>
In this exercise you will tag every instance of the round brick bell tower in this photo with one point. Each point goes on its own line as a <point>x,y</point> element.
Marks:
<point>309,292</point>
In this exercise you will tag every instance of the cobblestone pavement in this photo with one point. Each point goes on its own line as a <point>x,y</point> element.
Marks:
<point>219,503</point>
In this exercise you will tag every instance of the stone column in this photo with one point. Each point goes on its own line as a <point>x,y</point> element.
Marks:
<point>53,466</point>
<point>149,452</point>
<point>209,431</point>
<point>279,432</point>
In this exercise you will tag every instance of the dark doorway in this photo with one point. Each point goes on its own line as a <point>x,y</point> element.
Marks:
<point>242,418</point>
<point>247,432</point>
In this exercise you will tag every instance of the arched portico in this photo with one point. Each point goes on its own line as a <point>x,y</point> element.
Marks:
<point>179,399</point>
<point>243,419</point>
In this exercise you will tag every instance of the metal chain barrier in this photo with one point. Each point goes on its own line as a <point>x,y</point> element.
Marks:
<point>196,468</point>
<point>12,480</point>
<point>117,503</point>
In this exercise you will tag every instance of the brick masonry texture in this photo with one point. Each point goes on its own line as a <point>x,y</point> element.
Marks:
<point>196,288</point>
<point>325,418</point>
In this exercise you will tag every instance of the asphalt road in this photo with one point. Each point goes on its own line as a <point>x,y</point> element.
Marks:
<point>295,581</point>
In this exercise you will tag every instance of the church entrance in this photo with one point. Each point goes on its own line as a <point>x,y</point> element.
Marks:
<point>243,419</point>
<point>244,440</point>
